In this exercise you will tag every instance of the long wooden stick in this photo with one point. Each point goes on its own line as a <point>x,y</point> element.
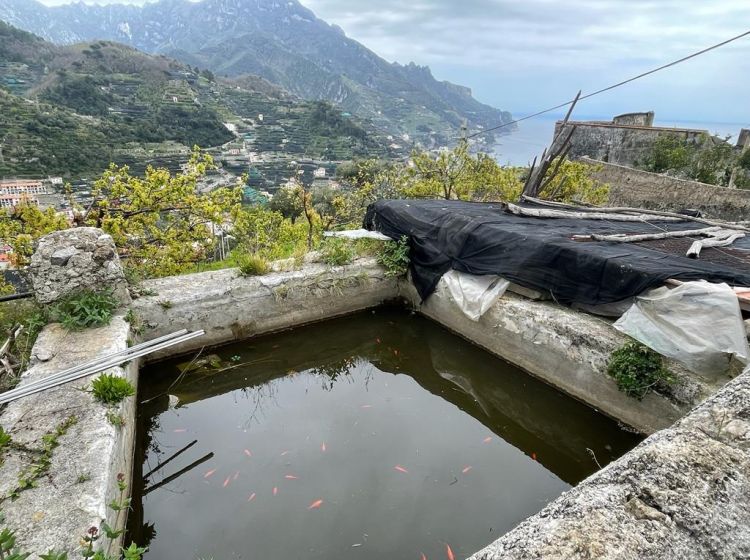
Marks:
<point>626,209</point>
<point>540,213</point>
<point>623,238</point>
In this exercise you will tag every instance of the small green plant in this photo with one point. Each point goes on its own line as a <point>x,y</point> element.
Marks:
<point>29,476</point>
<point>81,478</point>
<point>637,369</point>
<point>4,439</point>
<point>252,265</point>
<point>111,389</point>
<point>336,251</point>
<point>8,550</point>
<point>85,310</point>
<point>115,419</point>
<point>165,304</point>
<point>394,257</point>
<point>137,325</point>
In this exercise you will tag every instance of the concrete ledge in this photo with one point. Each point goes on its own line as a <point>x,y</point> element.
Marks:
<point>682,493</point>
<point>569,350</point>
<point>82,479</point>
<point>231,307</point>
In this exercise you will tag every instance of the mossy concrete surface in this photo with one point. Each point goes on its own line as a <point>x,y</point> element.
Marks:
<point>229,306</point>
<point>71,495</point>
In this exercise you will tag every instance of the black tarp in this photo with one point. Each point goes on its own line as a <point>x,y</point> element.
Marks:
<point>539,253</point>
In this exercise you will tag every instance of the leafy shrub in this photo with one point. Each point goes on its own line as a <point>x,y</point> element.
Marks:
<point>85,310</point>
<point>336,251</point>
<point>637,369</point>
<point>252,265</point>
<point>394,257</point>
<point>111,389</point>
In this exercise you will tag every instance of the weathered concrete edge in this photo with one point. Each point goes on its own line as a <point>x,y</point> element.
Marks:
<point>682,493</point>
<point>576,348</point>
<point>59,511</point>
<point>230,307</point>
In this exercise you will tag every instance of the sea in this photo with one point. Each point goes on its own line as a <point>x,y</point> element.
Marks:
<point>531,137</point>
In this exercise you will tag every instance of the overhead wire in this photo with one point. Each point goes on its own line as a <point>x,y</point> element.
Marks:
<point>613,86</point>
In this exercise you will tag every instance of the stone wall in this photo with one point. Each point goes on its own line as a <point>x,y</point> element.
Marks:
<point>619,143</point>
<point>632,187</point>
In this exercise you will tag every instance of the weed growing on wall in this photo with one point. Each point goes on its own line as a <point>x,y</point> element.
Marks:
<point>336,251</point>
<point>85,309</point>
<point>111,389</point>
<point>637,369</point>
<point>252,265</point>
<point>394,257</point>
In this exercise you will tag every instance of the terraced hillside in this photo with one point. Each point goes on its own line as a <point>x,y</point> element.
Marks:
<point>72,110</point>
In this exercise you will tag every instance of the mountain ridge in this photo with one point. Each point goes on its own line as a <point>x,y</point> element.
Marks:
<point>283,42</point>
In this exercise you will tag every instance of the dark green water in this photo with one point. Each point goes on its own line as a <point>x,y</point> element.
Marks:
<point>379,435</point>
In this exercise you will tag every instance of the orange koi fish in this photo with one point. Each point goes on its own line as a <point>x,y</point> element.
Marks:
<point>466,469</point>
<point>275,490</point>
<point>399,468</point>
<point>209,473</point>
<point>247,452</point>
<point>422,556</point>
<point>323,447</point>
<point>226,481</point>
<point>290,477</point>
<point>487,439</point>
<point>533,456</point>
<point>252,497</point>
<point>449,552</point>
<point>315,505</point>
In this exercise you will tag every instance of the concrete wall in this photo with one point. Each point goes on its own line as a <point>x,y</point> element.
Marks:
<point>632,187</point>
<point>82,478</point>
<point>569,350</point>
<point>619,143</point>
<point>231,307</point>
<point>635,119</point>
<point>682,493</point>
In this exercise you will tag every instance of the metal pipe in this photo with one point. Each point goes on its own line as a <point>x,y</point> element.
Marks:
<point>11,297</point>
<point>111,361</point>
<point>107,358</point>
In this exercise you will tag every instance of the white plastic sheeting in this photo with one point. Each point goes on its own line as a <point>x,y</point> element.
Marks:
<point>474,294</point>
<point>699,324</point>
<point>357,234</point>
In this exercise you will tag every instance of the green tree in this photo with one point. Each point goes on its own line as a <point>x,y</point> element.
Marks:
<point>161,223</point>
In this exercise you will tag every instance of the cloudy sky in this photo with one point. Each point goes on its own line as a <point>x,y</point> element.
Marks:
<point>530,54</point>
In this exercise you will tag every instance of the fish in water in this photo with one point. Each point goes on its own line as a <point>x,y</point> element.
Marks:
<point>449,552</point>
<point>422,556</point>
<point>226,481</point>
<point>323,447</point>
<point>377,340</point>
<point>209,473</point>
<point>275,490</point>
<point>180,430</point>
<point>533,456</point>
<point>466,469</point>
<point>315,505</point>
<point>366,406</point>
<point>236,475</point>
<point>399,468</point>
<point>247,452</point>
<point>284,453</point>
<point>252,497</point>
<point>290,477</point>
<point>487,439</point>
